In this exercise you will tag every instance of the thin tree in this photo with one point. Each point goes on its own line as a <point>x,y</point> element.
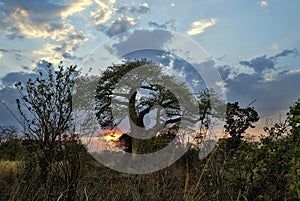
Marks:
<point>46,109</point>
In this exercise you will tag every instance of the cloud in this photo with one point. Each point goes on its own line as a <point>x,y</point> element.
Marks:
<point>45,20</point>
<point>263,4</point>
<point>13,52</point>
<point>4,50</point>
<point>263,63</point>
<point>269,84</point>
<point>123,22</point>
<point>68,56</point>
<point>64,50</point>
<point>14,36</point>
<point>278,93</point>
<point>259,64</point>
<point>24,24</point>
<point>75,7</point>
<point>56,52</point>
<point>7,98</point>
<point>226,72</point>
<point>138,40</point>
<point>172,24</point>
<point>294,71</point>
<point>104,11</point>
<point>244,88</point>
<point>172,64</point>
<point>285,53</point>
<point>199,26</point>
<point>9,94</point>
<point>119,25</point>
<point>141,9</point>
<point>123,45</point>
<point>47,10</point>
<point>11,78</point>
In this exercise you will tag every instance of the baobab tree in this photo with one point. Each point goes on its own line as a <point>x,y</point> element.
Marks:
<point>138,90</point>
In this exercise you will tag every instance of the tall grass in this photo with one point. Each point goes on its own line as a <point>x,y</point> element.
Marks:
<point>214,178</point>
<point>10,172</point>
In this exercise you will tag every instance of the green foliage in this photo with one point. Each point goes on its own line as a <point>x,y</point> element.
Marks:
<point>45,104</point>
<point>134,89</point>
<point>294,175</point>
<point>12,149</point>
<point>52,146</point>
<point>211,107</point>
<point>238,120</point>
<point>265,170</point>
<point>294,123</point>
<point>152,81</point>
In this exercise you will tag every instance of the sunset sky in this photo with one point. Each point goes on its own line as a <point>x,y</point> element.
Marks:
<point>255,44</point>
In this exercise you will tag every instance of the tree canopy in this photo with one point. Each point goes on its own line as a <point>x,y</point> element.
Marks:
<point>238,120</point>
<point>143,93</point>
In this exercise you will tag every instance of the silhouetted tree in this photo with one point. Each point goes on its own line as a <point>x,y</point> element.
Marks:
<point>294,172</point>
<point>211,107</point>
<point>127,91</point>
<point>238,120</point>
<point>46,109</point>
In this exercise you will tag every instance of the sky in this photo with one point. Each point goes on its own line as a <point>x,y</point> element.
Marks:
<point>254,44</point>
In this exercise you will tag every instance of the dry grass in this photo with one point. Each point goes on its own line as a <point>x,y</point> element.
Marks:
<point>10,168</point>
<point>9,175</point>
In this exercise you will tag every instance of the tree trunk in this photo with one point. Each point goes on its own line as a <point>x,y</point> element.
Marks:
<point>134,141</point>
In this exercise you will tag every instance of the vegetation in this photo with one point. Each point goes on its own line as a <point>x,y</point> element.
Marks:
<point>46,110</point>
<point>50,162</point>
<point>144,87</point>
